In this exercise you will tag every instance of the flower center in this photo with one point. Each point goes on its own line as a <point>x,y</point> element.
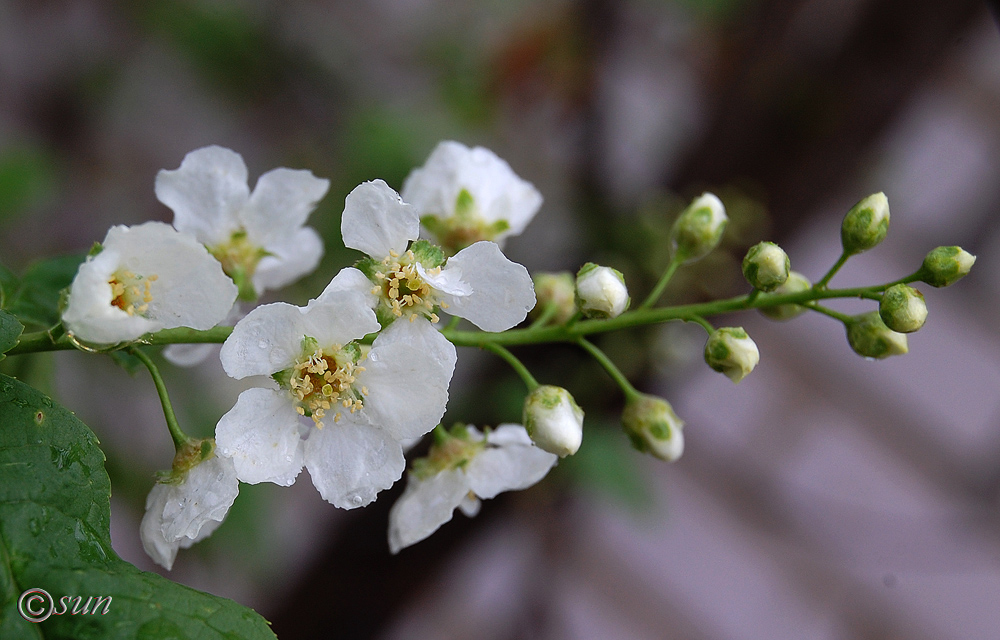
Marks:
<point>465,227</point>
<point>402,290</point>
<point>450,450</point>
<point>322,380</point>
<point>130,292</point>
<point>239,259</point>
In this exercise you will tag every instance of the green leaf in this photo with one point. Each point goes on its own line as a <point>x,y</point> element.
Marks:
<point>10,331</point>
<point>37,298</point>
<point>8,286</point>
<point>55,535</point>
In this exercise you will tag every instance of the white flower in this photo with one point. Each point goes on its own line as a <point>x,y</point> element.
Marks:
<point>185,510</point>
<point>478,283</point>
<point>554,420</point>
<point>362,401</point>
<point>146,278</point>
<point>259,237</point>
<point>464,195</point>
<point>461,469</point>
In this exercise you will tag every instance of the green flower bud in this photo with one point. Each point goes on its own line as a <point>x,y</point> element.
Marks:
<point>766,266</point>
<point>946,265</point>
<point>699,228</point>
<point>902,308</point>
<point>866,224</point>
<point>653,427</point>
<point>730,350</point>
<point>796,283</point>
<point>601,291</point>
<point>554,420</point>
<point>558,289</point>
<point>869,337</point>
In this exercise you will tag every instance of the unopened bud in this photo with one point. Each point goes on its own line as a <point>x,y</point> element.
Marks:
<point>699,228</point>
<point>869,337</point>
<point>601,291</point>
<point>653,427</point>
<point>730,350</point>
<point>557,290</point>
<point>866,224</point>
<point>554,420</point>
<point>902,308</point>
<point>796,283</point>
<point>946,265</point>
<point>766,266</point>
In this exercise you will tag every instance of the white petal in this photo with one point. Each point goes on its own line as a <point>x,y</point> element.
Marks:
<point>206,193</point>
<point>261,434</point>
<point>187,355</point>
<point>292,257</point>
<point>448,280</point>
<point>425,506</point>
<point>508,468</point>
<point>351,461</point>
<point>90,316</point>
<point>191,289</point>
<point>502,292</point>
<point>269,338</point>
<point>498,193</point>
<point>509,434</point>
<point>156,546</point>
<point>205,496</point>
<point>376,221</point>
<point>280,204</point>
<point>350,279</point>
<point>407,374</point>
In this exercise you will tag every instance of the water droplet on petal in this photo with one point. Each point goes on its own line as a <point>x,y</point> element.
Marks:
<point>356,500</point>
<point>262,344</point>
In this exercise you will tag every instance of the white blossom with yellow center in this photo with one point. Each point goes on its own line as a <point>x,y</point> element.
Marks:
<point>464,195</point>
<point>458,473</point>
<point>259,237</point>
<point>146,278</point>
<point>478,283</point>
<point>360,402</point>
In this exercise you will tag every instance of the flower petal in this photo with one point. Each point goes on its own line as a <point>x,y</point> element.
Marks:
<point>261,434</point>
<point>407,374</point>
<point>508,468</point>
<point>424,506</point>
<point>191,289</point>
<point>350,279</point>
<point>376,221</point>
<point>502,292</point>
<point>280,204</point>
<point>206,193</point>
<point>206,495</point>
<point>157,547</point>
<point>350,461</point>
<point>292,256</point>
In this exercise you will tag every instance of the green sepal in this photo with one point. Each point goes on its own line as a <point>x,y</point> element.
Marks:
<point>465,204</point>
<point>95,250</point>
<point>428,255</point>
<point>368,266</point>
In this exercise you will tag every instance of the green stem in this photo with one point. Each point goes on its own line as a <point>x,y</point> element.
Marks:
<point>549,312</point>
<point>703,322</point>
<point>833,271</point>
<point>630,392</point>
<point>517,365</point>
<point>179,437</point>
<point>657,291</point>
<point>753,296</point>
<point>829,312</point>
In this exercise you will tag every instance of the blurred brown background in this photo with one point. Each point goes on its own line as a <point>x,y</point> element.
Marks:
<point>824,497</point>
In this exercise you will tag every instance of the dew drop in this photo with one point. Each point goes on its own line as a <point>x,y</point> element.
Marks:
<point>34,526</point>
<point>356,500</point>
<point>262,344</point>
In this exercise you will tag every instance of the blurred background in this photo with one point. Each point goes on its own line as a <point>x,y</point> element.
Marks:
<point>824,497</point>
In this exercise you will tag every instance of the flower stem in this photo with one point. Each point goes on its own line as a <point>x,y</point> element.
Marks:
<point>179,437</point>
<point>833,271</point>
<point>829,312</point>
<point>550,310</point>
<point>610,367</point>
<point>657,291</point>
<point>703,322</point>
<point>517,365</point>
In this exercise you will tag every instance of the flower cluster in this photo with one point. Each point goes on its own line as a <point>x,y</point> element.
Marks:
<point>343,385</point>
